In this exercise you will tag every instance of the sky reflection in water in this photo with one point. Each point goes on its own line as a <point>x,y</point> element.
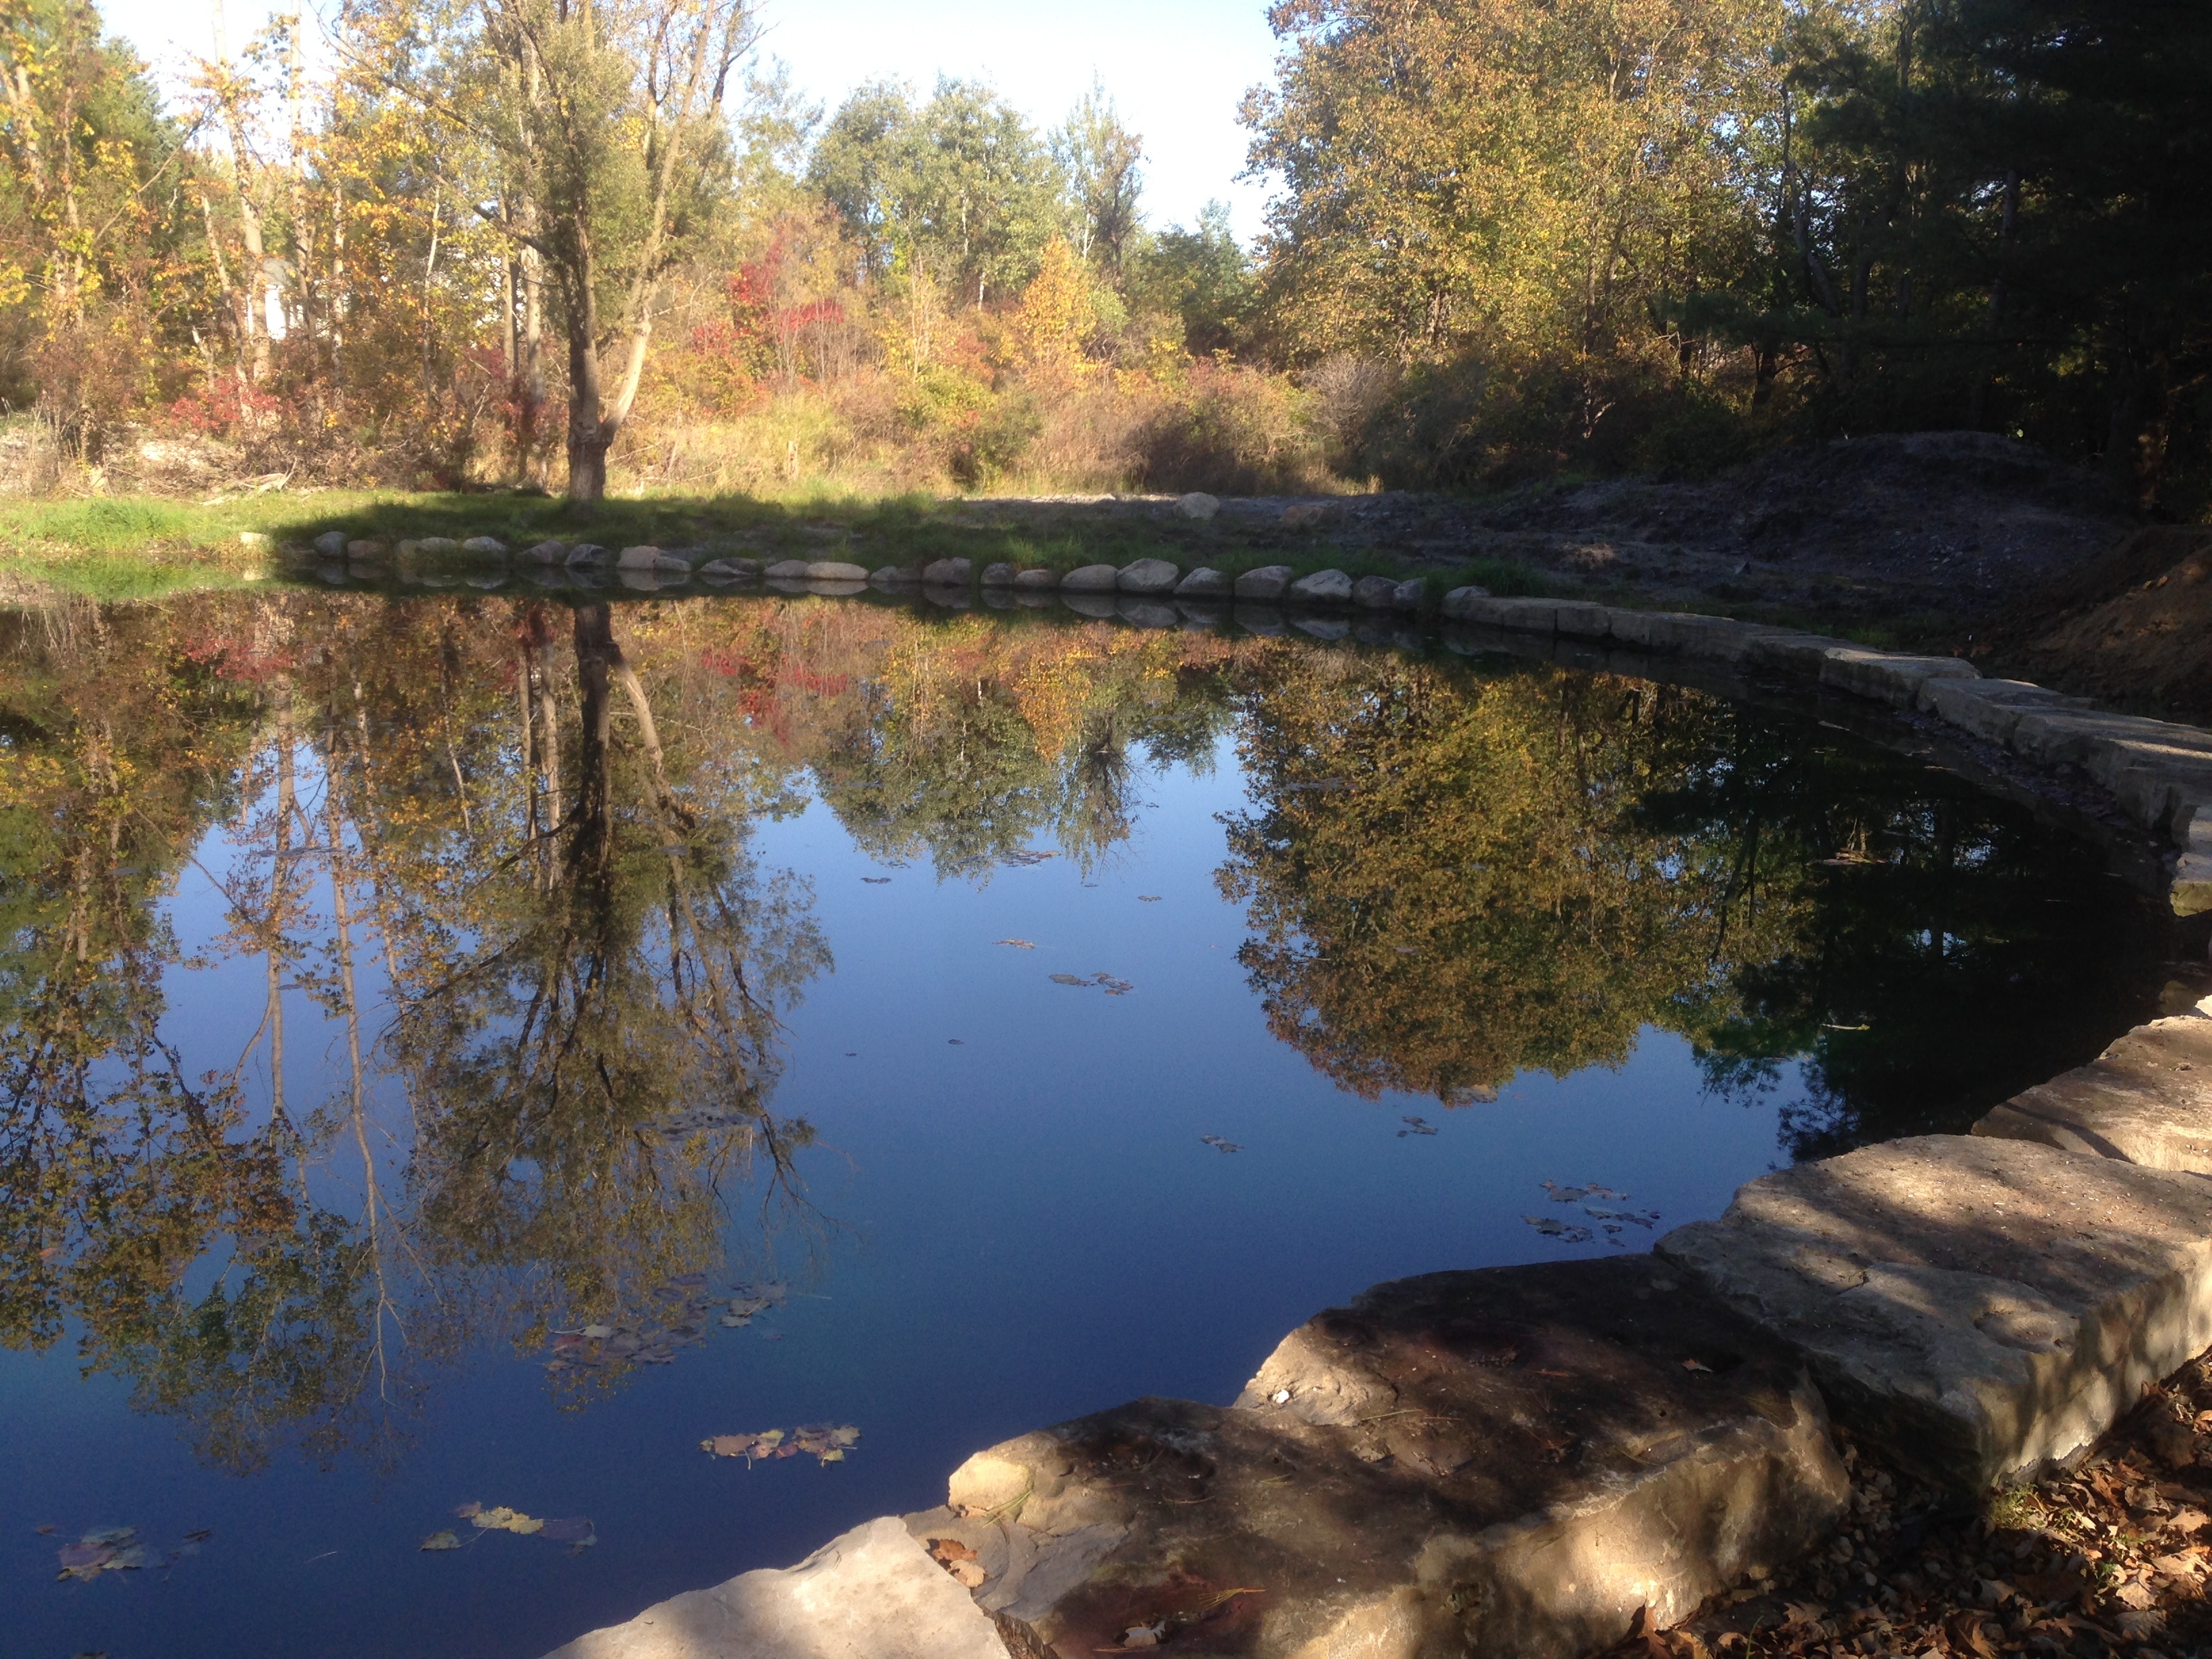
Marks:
<point>719,984</point>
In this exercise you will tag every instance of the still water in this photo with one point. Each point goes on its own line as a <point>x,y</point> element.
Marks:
<point>471,1051</point>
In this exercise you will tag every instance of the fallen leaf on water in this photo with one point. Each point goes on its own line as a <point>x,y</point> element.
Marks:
<point>466,1510</point>
<point>819,1440</point>
<point>1069,979</point>
<point>1416,1126</point>
<point>47,1527</point>
<point>440,1540</point>
<point>598,1333</point>
<point>1559,1230</point>
<point>877,881</point>
<point>956,1042</point>
<point>576,1531</point>
<point>1019,944</point>
<point>1148,898</point>
<point>83,1560</point>
<point>1220,1144</point>
<point>500,1518</point>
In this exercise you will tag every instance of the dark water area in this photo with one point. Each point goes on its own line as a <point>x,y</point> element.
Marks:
<point>471,1050</point>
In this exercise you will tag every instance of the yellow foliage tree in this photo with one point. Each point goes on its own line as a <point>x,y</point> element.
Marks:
<point>1056,315</point>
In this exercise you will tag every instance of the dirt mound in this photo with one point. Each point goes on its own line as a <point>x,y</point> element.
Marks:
<point>1958,524</point>
<point>2134,626</point>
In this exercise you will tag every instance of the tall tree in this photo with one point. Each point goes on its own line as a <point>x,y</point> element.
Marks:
<point>1100,158</point>
<point>597,124</point>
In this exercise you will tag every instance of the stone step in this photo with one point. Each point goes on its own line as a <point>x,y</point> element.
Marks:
<point>1975,1306</point>
<point>2147,1099</point>
<point>1508,1462</point>
<point>873,1594</point>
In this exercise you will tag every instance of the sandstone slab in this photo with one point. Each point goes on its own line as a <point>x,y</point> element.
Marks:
<point>1976,1306</point>
<point>2147,1100</point>
<point>1715,638</point>
<point>1990,710</point>
<point>873,1594</point>
<point>1091,579</point>
<point>1508,1463</point>
<point>1888,675</point>
<point>1148,576</point>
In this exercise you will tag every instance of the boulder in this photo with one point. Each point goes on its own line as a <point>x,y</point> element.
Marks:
<point>487,546</point>
<point>1975,1307</point>
<point>443,544</point>
<point>587,553</point>
<point>1099,607</point>
<point>643,557</point>
<point>1509,1461</point>
<point>1202,614</point>
<point>731,570</point>
<point>786,570</point>
<point>546,552</point>
<point>1458,604</point>
<point>1267,584</point>
<point>1148,576</point>
<point>895,575</point>
<point>1038,579</point>
<point>363,548</point>
<point>1000,575</point>
<point>1322,587</point>
<point>948,572</point>
<point>1374,593</point>
<point>1409,595</point>
<point>253,541</point>
<point>834,570</point>
<point>2147,1099</point>
<point>875,1593</point>
<point>1091,579</point>
<point>1198,505</point>
<point>331,543</point>
<point>641,582</point>
<point>1206,583</point>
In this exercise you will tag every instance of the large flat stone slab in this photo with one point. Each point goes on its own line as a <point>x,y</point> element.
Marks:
<point>1508,1463</point>
<point>873,1594</point>
<point>1975,1306</point>
<point>2147,1100</point>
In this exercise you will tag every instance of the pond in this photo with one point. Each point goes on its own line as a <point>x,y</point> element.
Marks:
<point>470,1051</point>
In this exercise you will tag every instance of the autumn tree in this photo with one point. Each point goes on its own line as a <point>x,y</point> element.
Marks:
<point>590,134</point>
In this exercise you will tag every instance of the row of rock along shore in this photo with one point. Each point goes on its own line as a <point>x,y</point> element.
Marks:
<point>1274,584</point>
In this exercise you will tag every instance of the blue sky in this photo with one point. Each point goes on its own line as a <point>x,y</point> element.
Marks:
<point>1177,67</point>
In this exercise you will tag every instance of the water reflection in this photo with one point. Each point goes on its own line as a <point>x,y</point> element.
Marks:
<point>523,976</point>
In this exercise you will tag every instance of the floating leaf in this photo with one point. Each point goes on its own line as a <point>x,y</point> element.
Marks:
<point>599,1333</point>
<point>466,1510</point>
<point>1148,898</point>
<point>1220,1144</point>
<point>877,881</point>
<point>440,1540</point>
<point>83,1560</point>
<point>500,1518</point>
<point>576,1530</point>
<point>1069,979</point>
<point>1019,944</point>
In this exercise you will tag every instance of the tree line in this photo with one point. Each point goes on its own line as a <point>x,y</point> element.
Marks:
<point>527,240</point>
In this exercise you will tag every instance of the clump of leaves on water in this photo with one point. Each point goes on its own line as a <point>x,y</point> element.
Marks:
<point>816,1440</point>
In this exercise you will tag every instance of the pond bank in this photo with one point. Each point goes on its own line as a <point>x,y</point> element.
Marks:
<point>1524,1460</point>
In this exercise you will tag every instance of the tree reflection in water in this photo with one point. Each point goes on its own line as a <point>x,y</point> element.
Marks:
<point>499,857</point>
